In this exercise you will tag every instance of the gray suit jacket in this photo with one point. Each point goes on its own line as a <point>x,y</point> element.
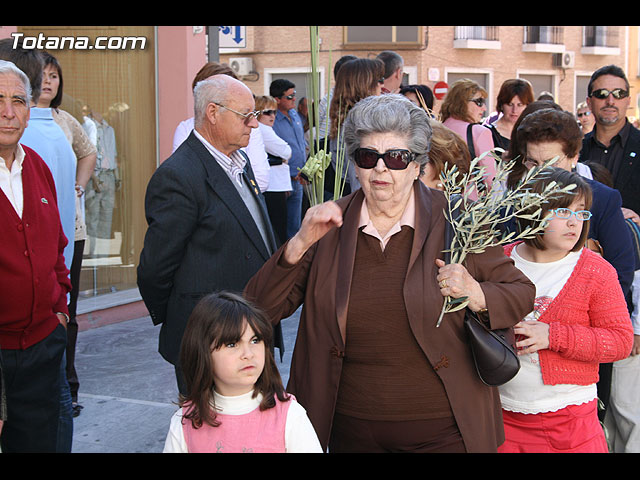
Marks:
<point>201,239</point>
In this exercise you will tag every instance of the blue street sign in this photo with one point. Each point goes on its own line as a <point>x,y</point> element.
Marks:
<point>233,37</point>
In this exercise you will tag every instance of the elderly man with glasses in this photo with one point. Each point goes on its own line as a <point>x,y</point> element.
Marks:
<point>208,224</point>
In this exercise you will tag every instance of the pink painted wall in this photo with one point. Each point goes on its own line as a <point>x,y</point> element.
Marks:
<point>5,32</point>
<point>181,53</point>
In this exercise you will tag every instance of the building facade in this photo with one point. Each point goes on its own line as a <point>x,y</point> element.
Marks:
<point>556,59</point>
<point>141,91</point>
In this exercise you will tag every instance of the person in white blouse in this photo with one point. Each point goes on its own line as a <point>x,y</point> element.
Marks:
<point>278,152</point>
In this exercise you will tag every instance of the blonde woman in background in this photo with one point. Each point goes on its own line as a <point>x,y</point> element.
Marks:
<point>462,111</point>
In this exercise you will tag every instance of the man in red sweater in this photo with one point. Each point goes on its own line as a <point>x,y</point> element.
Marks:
<point>34,280</point>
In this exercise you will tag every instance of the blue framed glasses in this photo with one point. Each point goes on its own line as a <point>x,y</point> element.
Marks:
<point>566,213</point>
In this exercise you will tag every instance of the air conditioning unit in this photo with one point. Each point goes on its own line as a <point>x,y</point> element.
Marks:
<point>564,60</point>
<point>241,65</point>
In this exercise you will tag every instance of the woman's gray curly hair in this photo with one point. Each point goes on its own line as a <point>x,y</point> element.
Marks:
<point>389,113</point>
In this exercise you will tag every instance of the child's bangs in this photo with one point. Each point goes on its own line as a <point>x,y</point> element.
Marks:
<point>233,322</point>
<point>564,200</point>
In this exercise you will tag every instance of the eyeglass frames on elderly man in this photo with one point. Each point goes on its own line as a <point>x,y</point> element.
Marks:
<point>603,93</point>
<point>247,116</point>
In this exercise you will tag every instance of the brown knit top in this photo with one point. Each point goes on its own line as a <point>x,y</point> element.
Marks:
<point>385,374</point>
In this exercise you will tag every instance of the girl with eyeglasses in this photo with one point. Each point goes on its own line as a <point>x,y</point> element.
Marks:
<point>543,132</point>
<point>462,111</point>
<point>580,320</point>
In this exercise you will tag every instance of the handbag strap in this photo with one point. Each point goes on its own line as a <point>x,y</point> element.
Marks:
<point>472,149</point>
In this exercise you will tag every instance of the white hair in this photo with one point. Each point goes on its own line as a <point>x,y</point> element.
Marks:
<point>211,90</point>
<point>9,68</point>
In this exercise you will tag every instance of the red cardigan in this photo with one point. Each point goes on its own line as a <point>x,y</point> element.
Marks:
<point>34,280</point>
<point>588,322</point>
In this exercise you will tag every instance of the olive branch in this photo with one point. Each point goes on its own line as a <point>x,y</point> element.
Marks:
<point>477,225</point>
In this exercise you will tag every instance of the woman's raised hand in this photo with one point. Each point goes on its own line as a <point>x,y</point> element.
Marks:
<point>318,220</point>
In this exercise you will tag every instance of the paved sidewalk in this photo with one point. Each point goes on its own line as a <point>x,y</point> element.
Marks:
<point>128,390</point>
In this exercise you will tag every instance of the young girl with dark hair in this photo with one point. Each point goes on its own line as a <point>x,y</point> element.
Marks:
<point>580,320</point>
<point>236,401</point>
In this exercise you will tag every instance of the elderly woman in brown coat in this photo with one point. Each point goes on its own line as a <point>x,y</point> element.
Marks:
<point>370,366</point>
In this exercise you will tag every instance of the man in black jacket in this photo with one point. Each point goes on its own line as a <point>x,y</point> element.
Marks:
<point>208,225</point>
<point>614,142</point>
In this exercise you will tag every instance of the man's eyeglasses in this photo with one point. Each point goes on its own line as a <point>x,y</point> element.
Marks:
<point>478,101</point>
<point>603,93</point>
<point>247,116</point>
<point>585,114</point>
<point>566,213</point>
<point>393,159</point>
<point>289,97</point>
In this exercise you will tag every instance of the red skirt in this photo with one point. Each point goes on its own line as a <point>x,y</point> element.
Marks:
<point>573,429</point>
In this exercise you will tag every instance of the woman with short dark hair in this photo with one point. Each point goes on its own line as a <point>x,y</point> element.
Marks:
<point>514,96</point>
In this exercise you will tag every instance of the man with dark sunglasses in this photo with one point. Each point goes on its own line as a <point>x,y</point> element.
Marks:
<point>615,143</point>
<point>288,126</point>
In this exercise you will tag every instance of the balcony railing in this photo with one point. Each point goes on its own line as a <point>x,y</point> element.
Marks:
<point>546,34</point>
<point>605,36</point>
<point>487,33</point>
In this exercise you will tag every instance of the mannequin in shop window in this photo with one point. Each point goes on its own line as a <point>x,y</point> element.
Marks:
<point>105,181</point>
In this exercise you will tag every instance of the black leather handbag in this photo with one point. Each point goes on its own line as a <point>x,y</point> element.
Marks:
<point>493,351</point>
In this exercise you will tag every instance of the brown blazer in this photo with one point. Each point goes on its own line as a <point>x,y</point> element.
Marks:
<point>321,282</point>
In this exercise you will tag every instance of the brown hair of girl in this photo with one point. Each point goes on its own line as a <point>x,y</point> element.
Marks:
<point>562,200</point>
<point>219,319</point>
